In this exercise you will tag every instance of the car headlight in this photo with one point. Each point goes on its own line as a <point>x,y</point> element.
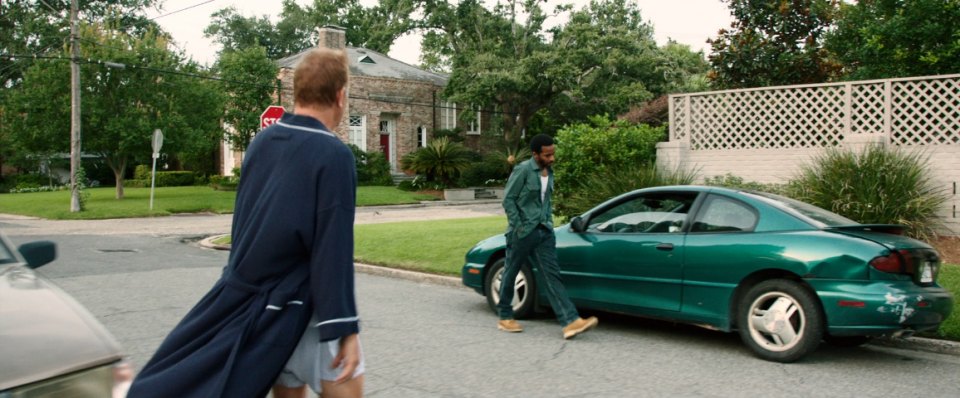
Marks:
<point>105,381</point>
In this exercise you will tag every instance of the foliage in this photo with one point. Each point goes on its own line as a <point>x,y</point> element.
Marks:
<point>166,179</point>
<point>877,39</point>
<point>654,113</point>
<point>949,278</point>
<point>685,71</point>
<point>609,183</point>
<point>588,149</point>
<point>731,181</point>
<point>773,42</point>
<point>601,61</point>
<point>876,186</point>
<point>372,167</point>
<point>490,168</point>
<point>375,27</point>
<point>249,79</point>
<point>441,160</point>
<point>120,108</point>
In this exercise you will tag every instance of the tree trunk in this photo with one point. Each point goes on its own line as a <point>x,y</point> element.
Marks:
<point>119,167</point>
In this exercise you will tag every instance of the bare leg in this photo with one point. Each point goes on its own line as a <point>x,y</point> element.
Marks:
<point>349,389</point>
<point>289,392</point>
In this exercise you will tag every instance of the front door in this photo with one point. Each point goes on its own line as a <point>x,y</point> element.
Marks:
<point>388,139</point>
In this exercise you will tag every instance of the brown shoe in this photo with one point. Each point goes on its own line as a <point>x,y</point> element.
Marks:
<point>509,325</point>
<point>579,326</point>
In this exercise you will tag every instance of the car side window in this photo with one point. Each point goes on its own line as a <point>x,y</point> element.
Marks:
<point>720,214</point>
<point>651,213</point>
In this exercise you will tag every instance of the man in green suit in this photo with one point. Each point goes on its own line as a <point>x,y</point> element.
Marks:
<point>530,236</point>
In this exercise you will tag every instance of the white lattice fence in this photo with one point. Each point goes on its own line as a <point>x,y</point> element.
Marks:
<point>914,111</point>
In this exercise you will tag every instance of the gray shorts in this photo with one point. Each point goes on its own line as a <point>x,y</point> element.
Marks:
<point>311,362</point>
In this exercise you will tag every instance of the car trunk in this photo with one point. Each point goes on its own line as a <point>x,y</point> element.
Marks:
<point>907,256</point>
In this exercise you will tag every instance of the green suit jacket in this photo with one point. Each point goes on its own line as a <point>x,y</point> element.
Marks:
<point>521,200</point>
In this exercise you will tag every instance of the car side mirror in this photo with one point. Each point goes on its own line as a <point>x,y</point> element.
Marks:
<point>38,253</point>
<point>578,224</point>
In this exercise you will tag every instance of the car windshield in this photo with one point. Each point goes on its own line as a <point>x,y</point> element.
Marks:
<point>813,214</point>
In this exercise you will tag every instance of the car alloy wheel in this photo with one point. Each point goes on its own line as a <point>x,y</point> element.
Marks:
<point>780,320</point>
<point>523,288</point>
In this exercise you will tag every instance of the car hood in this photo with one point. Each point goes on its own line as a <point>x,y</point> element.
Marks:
<point>886,235</point>
<point>44,332</point>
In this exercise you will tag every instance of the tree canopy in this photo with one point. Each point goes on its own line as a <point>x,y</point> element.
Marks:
<point>249,80</point>
<point>120,107</point>
<point>877,39</point>
<point>773,42</point>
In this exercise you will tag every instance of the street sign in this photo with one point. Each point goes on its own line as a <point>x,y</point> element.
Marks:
<point>270,116</point>
<point>157,142</point>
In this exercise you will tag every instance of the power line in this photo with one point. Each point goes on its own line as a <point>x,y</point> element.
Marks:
<point>182,9</point>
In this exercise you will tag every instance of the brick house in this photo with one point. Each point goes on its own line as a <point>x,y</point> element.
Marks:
<point>392,107</point>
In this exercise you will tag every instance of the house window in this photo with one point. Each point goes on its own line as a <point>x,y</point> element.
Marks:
<point>473,128</point>
<point>421,137</point>
<point>448,115</point>
<point>358,131</point>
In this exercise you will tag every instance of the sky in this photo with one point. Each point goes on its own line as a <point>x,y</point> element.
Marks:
<point>689,22</point>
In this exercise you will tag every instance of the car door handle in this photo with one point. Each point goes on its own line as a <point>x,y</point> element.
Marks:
<point>665,247</point>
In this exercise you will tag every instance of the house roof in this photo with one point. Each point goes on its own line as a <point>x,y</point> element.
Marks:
<point>375,64</point>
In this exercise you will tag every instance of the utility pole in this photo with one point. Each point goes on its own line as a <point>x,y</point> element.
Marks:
<point>74,108</point>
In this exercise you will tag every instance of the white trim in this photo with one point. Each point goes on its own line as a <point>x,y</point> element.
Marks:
<point>338,320</point>
<point>312,130</point>
<point>273,307</point>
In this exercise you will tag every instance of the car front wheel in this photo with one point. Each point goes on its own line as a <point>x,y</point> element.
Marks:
<point>523,289</point>
<point>780,320</point>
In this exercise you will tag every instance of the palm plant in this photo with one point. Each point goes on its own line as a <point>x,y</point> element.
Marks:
<point>441,160</point>
<point>875,186</point>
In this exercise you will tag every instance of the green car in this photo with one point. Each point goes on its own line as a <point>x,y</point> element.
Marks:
<point>785,274</point>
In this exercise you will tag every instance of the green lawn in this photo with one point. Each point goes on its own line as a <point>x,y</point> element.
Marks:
<point>950,278</point>
<point>167,200</point>
<point>429,246</point>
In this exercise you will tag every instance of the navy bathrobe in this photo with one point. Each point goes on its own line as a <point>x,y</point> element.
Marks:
<point>292,255</point>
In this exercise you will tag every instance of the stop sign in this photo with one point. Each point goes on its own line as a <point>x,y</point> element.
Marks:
<point>270,115</point>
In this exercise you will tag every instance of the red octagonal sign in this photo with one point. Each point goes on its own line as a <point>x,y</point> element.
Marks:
<point>270,116</point>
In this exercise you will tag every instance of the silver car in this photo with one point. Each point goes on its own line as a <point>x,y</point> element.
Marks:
<point>50,346</point>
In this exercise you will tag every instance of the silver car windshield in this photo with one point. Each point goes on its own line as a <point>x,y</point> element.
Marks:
<point>814,214</point>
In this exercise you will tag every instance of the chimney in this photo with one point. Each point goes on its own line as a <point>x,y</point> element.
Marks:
<point>332,36</point>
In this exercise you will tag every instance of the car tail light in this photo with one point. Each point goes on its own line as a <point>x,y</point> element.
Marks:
<point>893,263</point>
<point>921,264</point>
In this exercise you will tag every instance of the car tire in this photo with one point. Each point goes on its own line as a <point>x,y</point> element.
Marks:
<point>524,288</point>
<point>846,341</point>
<point>780,320</point>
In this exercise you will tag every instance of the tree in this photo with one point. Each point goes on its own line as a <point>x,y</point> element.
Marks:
<point>601,61</point>
<point>121,107</point>
<point>249,79</point>
<point>877,39</point>
<point>33,27</point>
<point>374,28</point>
<point>773,42</point>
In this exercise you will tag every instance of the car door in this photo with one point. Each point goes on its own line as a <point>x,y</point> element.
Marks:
<point>630,255</point>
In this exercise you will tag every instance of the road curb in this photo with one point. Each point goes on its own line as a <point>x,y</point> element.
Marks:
<point>408,275</point>
<point>920,344</point>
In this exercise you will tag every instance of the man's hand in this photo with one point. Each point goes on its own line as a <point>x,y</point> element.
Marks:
<point>349,357</point>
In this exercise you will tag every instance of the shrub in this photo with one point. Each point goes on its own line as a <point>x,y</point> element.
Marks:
<point>613,182</point>
<point>164,179</point>
<point>875,186</point>
<point>372,167</point>
<point>440,161</point>
<point>588,150</point>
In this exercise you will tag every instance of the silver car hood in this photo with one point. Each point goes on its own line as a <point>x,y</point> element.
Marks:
<point>44,332</point>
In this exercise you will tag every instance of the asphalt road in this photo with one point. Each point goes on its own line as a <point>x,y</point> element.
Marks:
<point>430,340</point>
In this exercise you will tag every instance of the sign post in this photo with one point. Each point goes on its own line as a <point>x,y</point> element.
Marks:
<point>157,144</point>
<point>270,116</point>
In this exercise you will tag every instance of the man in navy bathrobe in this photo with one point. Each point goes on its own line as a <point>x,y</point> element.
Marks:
<point>292,257</point>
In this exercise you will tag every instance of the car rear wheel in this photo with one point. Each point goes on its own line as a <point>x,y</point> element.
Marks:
<point>780,320</point>
<point>523,289</point>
